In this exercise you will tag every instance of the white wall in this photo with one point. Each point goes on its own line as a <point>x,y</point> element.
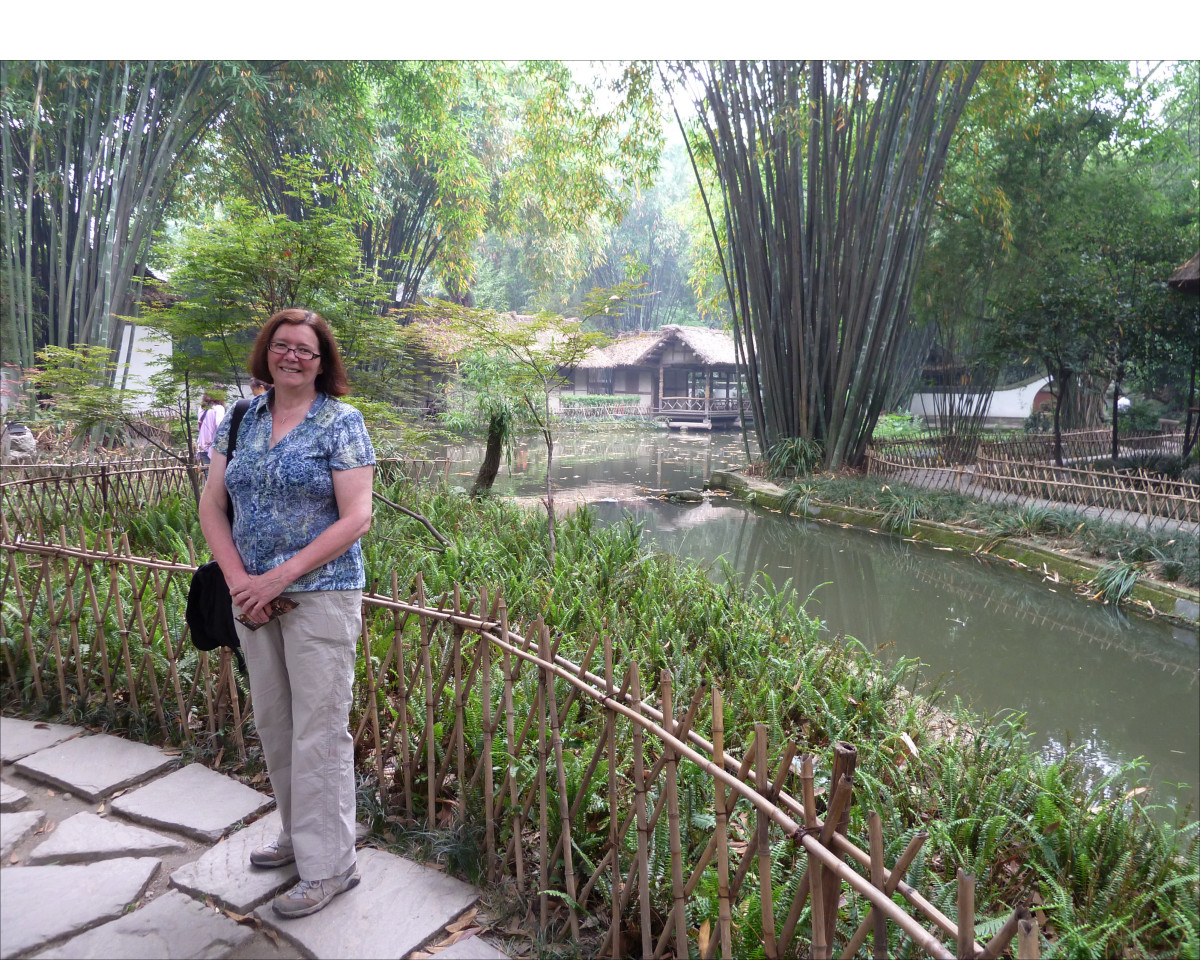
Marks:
<point>1014,403</point>
<point>147,351</point>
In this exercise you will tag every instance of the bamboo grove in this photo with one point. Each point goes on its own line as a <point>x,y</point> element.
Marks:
<point>828,172</point>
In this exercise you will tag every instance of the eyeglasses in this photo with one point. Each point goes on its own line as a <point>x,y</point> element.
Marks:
<point>283,349</point>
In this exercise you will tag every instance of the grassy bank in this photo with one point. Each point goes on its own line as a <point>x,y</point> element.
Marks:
<point>1107,878</point>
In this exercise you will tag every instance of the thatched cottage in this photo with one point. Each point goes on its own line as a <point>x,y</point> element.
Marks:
<point>687,374</point>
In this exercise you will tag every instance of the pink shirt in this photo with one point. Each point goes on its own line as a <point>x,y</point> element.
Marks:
<point>210,419</point>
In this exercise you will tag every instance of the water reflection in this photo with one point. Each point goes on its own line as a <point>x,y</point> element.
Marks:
<point>1113,686</point>
<point>1116,687</point>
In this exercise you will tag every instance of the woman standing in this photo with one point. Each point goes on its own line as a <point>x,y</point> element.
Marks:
<point>300,483</point>
<point>212,412</point>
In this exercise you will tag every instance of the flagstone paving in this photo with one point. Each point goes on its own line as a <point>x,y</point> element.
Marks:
<point>12,799</point>
<point>15,827</point>
<point>173,927</point>
<point>78,880</point>
<point>19,738</point>
<point>170,802</point>
<point>95,767</point>
<point>87,838</point>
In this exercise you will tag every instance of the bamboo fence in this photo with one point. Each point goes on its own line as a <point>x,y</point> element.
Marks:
<point>52,494</point>
<point>599,803</point>
<point>1019,470</point>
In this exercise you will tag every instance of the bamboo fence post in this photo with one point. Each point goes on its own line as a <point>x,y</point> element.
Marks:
<point>1028,946</point>
<point>890,884</point>
<point>403,695</point>
<point>966,914</point>
<point>511,727</point>
<point>99,639</point>
<point>816,882</point>
<point>234,702</point>
<point>724,913</point>
<point>639,803</point>
<point>999,943</point>
<point>459,747</point>
<point>373,707</point>
<point>489,776</point>
<point>763,784</point>
<point>82,686</point>
<point>147,657</point>
<point>680,903</point>
<point>114,594</point>
<point>28,631</point>
<point>54,638</point>
<point>845,757</point>
<point>564,813</point>
<point>172,665</point>
<point>614,843</point>
<point>875,830</point>
<point>543,812</point>
<point>427,669</point>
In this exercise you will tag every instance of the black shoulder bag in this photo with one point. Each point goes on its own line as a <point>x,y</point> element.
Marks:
<point>209,612</point>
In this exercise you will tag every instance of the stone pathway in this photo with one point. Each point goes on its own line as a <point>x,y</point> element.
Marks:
<point>113,849</point>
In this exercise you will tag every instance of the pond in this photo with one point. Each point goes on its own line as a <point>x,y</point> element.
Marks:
<point>1086,676</point>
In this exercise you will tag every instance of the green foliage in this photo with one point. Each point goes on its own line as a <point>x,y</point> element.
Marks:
<point>1115,581</point>
<point>794,457</point>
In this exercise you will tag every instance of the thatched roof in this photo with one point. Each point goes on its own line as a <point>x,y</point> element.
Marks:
<point>443,338</point>
<point>1187,277</point>
<point>711,347</point>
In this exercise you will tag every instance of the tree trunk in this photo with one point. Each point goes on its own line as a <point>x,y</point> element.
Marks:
<point>497,433</point>
<point>550,492</point>
<point>1116,417</point>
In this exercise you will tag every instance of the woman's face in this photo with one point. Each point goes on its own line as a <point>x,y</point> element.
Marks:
<point>287,369</point>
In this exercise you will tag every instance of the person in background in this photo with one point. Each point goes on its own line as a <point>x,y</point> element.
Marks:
<point>300,481</point>
<point>212,412</point>
<point>258,387</point>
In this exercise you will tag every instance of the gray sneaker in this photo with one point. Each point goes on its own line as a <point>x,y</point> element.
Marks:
<point>271,855</point>
<point>309,896</point>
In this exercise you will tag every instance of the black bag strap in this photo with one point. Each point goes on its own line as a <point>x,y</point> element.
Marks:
<point>239,411</point>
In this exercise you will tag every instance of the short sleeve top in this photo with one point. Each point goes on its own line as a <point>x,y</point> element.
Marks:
<point>283,496</point>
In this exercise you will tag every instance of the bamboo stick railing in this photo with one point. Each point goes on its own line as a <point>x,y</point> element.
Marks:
<point>996,472</point>
<point>459,717</point>
<point>62,493</point>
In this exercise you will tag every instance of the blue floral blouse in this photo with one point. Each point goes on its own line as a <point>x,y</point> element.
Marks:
<point>283,497</point>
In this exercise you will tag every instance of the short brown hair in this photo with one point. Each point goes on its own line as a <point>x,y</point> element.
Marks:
<point>332,378</point>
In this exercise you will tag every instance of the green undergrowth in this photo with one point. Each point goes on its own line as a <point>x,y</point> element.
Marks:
<point>1110,875</point>
<point>1165,555</point>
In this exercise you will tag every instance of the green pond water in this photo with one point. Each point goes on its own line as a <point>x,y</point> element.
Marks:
<point>1088,677</point>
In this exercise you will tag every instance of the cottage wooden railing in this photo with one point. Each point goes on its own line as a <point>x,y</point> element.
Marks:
<point>699,405</point>
<point>61,493</point>
<point>461,718</point>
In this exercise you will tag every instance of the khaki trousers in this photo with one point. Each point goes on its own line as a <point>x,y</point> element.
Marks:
<point>301,676</point>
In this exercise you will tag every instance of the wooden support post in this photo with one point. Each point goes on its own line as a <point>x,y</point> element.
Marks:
<point>966,915</point>
<point>639,803</point>
<point>845,757</point>
<point>1028,947</point>
<point>614,841</point>
<point>763,785</point>
<point>721,833</point>
<point>875,831</point>
<point>679,903</point>
<point>489,784</point>
<point>564,814</point>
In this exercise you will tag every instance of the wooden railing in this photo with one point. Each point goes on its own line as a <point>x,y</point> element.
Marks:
<point>698,405</point>
<point>50,494</point>
<point>460,718</point>
<point>998,470</point>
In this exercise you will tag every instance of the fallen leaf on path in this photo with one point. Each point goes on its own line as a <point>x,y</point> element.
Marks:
<point>272,934</point>
<point>41,726</point>
<point>464,921</point>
